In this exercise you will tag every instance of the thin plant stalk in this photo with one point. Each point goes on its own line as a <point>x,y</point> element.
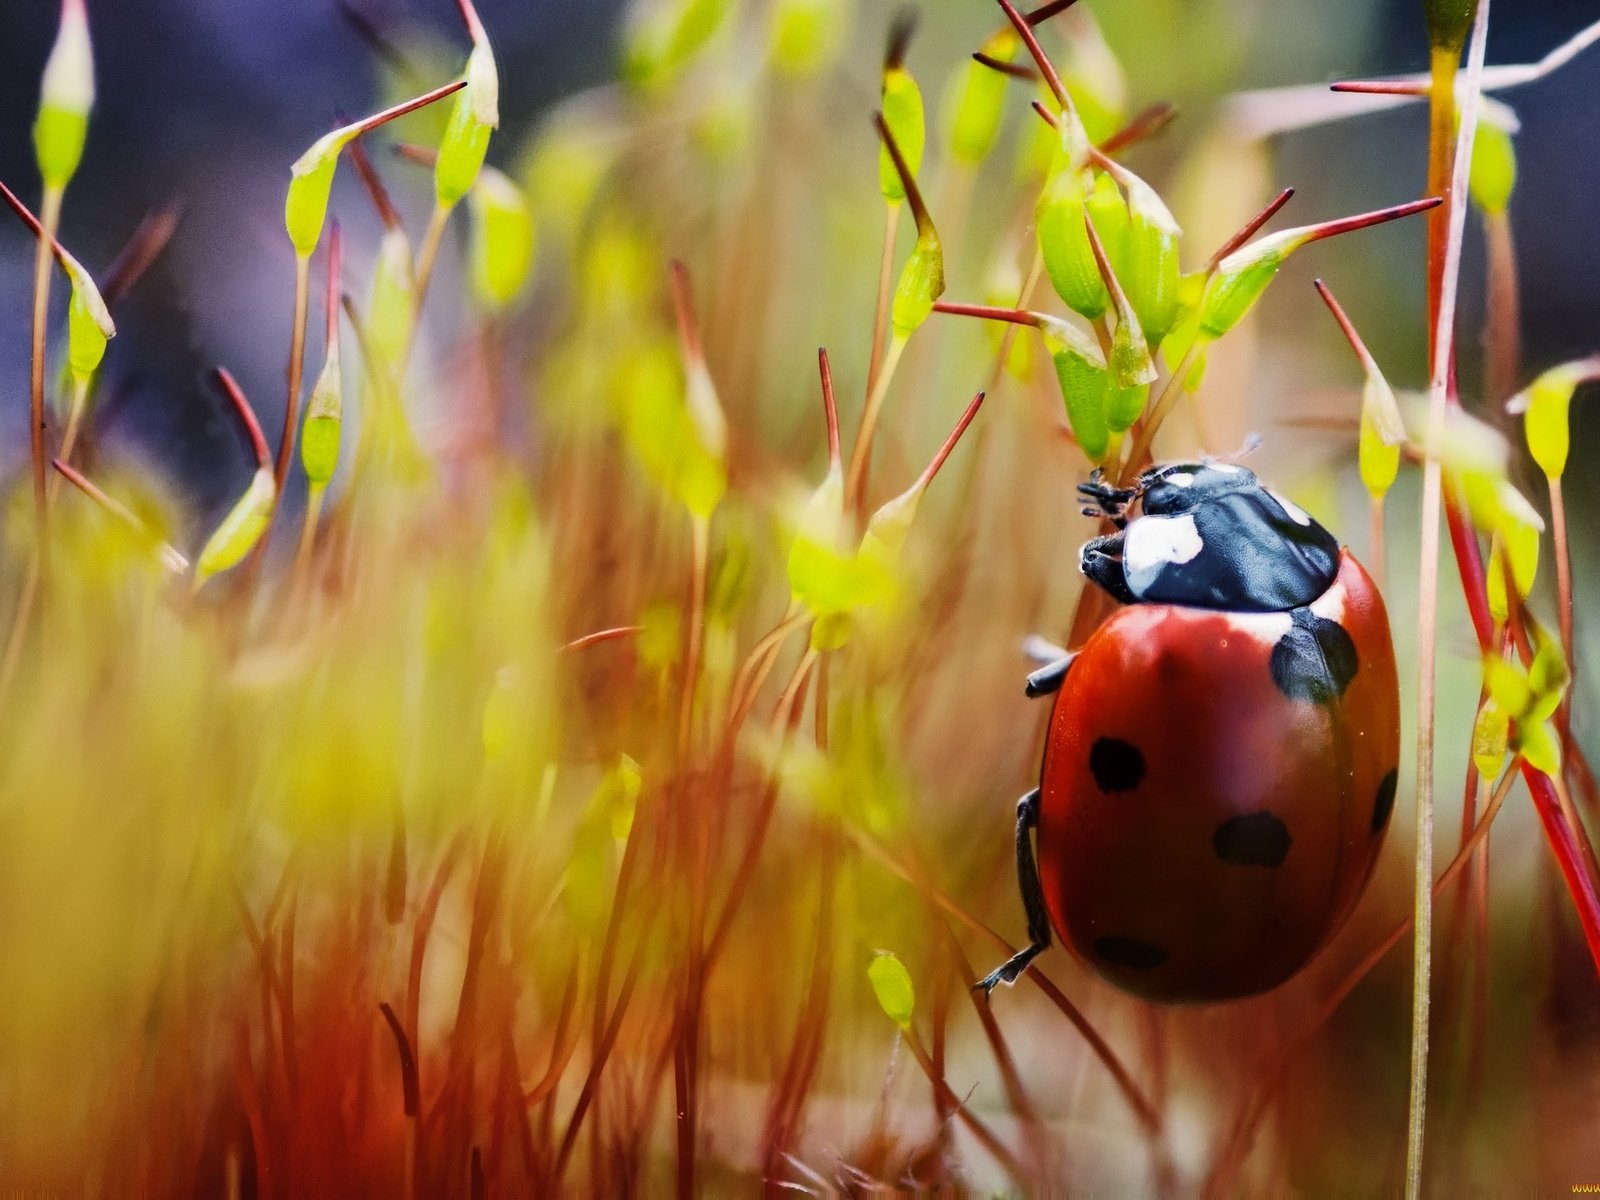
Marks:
<point>1171,391</point>
<point>69,439</point>
<point>978,1128</point>
<point>1450,152</point>
<point>1558,530</point>
<point>297,358</point>
<point>50,222</point>
<point>856,479</point>
<point>1376,541</point>
<point>428,253</point>
<point>916,875</point>
<point>1502,334</point>
<point>880,320</point>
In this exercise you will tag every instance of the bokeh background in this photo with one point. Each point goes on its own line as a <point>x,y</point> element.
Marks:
<point>206,104</point>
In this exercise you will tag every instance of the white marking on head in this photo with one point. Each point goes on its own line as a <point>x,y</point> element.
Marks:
<point>1151,543</point>
<point>1225,468</point>
<point>1296,513</point>
<point>1179,478</point>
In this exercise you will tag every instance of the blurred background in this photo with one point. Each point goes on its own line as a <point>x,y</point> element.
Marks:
<point>205,105</point>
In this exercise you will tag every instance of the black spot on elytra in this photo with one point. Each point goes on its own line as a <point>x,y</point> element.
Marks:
<point>1117,766</point>
<point>1384,804</point>
<point>1256,839</point>
<point>1130,952</point>
<point>1315,660</point>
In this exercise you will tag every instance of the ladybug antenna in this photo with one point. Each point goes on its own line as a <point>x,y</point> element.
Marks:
<point>1252,443</point>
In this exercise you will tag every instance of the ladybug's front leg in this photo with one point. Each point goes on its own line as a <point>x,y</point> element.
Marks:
<point>1032,900</point>
<point>1101,561</point>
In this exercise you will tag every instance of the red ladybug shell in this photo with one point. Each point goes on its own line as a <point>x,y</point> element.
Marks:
<point>1216,786</point>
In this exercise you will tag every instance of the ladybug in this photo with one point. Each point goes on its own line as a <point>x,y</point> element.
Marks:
<point>1223,751</point>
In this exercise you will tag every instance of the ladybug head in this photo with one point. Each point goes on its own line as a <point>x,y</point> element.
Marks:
<point>1207,534</point>
<point>1164,490</point>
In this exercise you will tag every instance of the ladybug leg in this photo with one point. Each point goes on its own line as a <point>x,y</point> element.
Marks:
<point>1101,561</point>
<point>1032,901</point>
<point>1048,679</point>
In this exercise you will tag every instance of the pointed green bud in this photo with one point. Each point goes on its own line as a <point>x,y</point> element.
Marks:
<point>1491,735</point>
<point>891,984</point>
<point>502,240</point>
<point>66,97</point>
<point>1540,746</point>
<point>1148,268</point>
<point>903,113</point>
<point>889,527</point>
<point>1125,405</point>
<point>240,530</point>
<point>1243,276</point>
<point>821,575</point>
<point>319,439</point>
<point>1494,169</point>
<point>1548,677</point>
<point>89,324</point>
<point>1109,212</point>
<point>1379,460</point>
<point>921,283</point>
<point>1085,385</point>
<point>463,147</point>
<point>305,207</point>
<point>1064,245</point>
<point>975,104</point>
<point>1241,279</point>
<point>1546,404</point>
<point>1507,685</point>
